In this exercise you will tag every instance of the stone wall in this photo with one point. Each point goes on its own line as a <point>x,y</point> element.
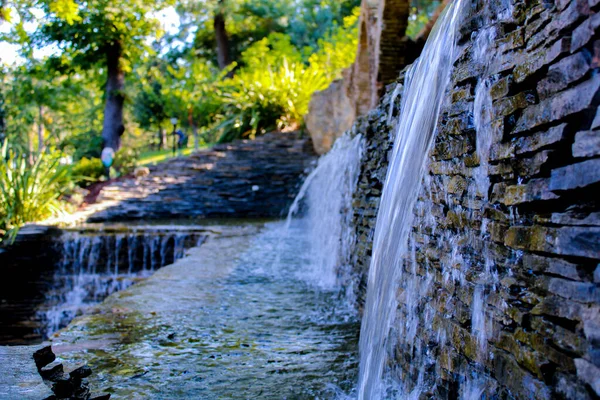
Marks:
<point>526,250</point>
<point>245,178</point>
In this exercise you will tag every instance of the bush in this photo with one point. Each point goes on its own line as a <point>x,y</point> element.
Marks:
<point>126,161</point>
<point>87,171</point>
<point>273,88</point>
<point>30,193</point>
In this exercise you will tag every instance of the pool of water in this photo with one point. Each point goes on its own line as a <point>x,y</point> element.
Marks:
<point>233,319</point>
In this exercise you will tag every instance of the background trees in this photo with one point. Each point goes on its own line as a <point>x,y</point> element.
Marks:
<point>88,74</point>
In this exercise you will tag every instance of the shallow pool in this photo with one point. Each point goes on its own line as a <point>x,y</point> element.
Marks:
<point>233,319</point>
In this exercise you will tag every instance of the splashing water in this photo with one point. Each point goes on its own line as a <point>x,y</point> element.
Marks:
<point>95,266</point>
<point>323,208</point>
<point>424,90</point>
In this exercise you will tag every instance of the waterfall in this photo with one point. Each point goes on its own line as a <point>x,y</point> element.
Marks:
<point>94,266</point>
<point>424,89</point>
<point>323,209</point>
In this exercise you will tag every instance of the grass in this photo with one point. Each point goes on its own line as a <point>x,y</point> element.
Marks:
<point>158,156</point>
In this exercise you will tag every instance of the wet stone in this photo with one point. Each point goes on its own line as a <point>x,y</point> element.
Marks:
<point>563,73</point>
<point>19,377</point>
<point>559,106</point>
<point>576,291</point>
<point>576,176</point>
<point>587,144</point>
<point>589,373</point>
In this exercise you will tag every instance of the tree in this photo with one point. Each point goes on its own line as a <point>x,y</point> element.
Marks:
<point>150,104</point>
<point>221,36</point>
<point>104,34</point>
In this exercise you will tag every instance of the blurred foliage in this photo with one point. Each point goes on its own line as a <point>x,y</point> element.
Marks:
<point>30,190</point>
<point>420,14</point>
<point>53,96</point>
<point>125,161</point>
<point>87,171</point>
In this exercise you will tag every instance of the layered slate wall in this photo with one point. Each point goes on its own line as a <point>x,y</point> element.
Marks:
<point>245,178</point>
<point>522,255</point>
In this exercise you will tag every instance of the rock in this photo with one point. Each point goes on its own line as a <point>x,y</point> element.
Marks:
<point>212,183</point>
<point>561,105</point>
<point>81,372</point>
<point>563,73</point>
<point>43,357</point>
<point>576,291</point>
<point>576,176</point>
<point>588,373</point>
<point>52,372</point>
<point>140,172</point>
<point>63,388</point>
<point>100,397</point>
<point>587,144</point>
<point>330,114</point>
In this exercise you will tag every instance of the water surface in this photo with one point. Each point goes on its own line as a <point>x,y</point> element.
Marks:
<point>231,320</point>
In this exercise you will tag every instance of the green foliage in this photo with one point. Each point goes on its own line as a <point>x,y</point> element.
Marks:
<point>273,88</point>
<point>125,161</point>
<point>420,14</point>
<point>88,170</point>
<point>30,192</point>
<point>87,30</point>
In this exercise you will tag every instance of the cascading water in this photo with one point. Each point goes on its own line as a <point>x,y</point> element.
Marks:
<point>94,266</point>
<point>323,211</point>
<point>425,85</point>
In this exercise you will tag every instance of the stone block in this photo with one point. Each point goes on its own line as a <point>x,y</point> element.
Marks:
<point>552,266</point>
<point>577,291</point>
<point>575,176</point>
<point>534,190</point>
<point>534,62</point>
<point>588,373</point>
<point>587,144</point>
<point>584,32</point>
<point>563,73</point>
<point>561,105</point>
<point>539,140</point>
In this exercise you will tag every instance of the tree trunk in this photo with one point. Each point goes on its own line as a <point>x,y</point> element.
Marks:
<point>194,129</point>
<point>40,129</point>
<point>30,146</point>
<point>221,36</point>
<point>162,138</point>
<point>113,126</point>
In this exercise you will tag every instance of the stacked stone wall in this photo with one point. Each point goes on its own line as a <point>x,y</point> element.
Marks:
<point>538,224</point>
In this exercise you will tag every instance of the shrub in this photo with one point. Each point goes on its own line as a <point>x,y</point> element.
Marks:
<point>273,87</point>
<point>87,171</point>
<point>126,161</point>
<point>30,193</point>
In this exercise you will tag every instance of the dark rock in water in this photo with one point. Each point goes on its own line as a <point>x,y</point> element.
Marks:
<point>100,397</point>
<point>52,372</point>
<point>81,372</point>
<point>44,357</point>
<point>65,386</point>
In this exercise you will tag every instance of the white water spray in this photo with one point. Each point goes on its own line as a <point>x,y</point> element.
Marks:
<point>425,85</point>
<point>324,209</point>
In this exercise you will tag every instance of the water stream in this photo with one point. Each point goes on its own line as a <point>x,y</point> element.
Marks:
<point>424,89</point>
<point>323,209</point>
<point>94,265</point>
<point>243,316</point>
<point>227,321</point>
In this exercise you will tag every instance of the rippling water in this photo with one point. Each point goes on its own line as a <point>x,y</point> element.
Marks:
<point>229,321</point>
